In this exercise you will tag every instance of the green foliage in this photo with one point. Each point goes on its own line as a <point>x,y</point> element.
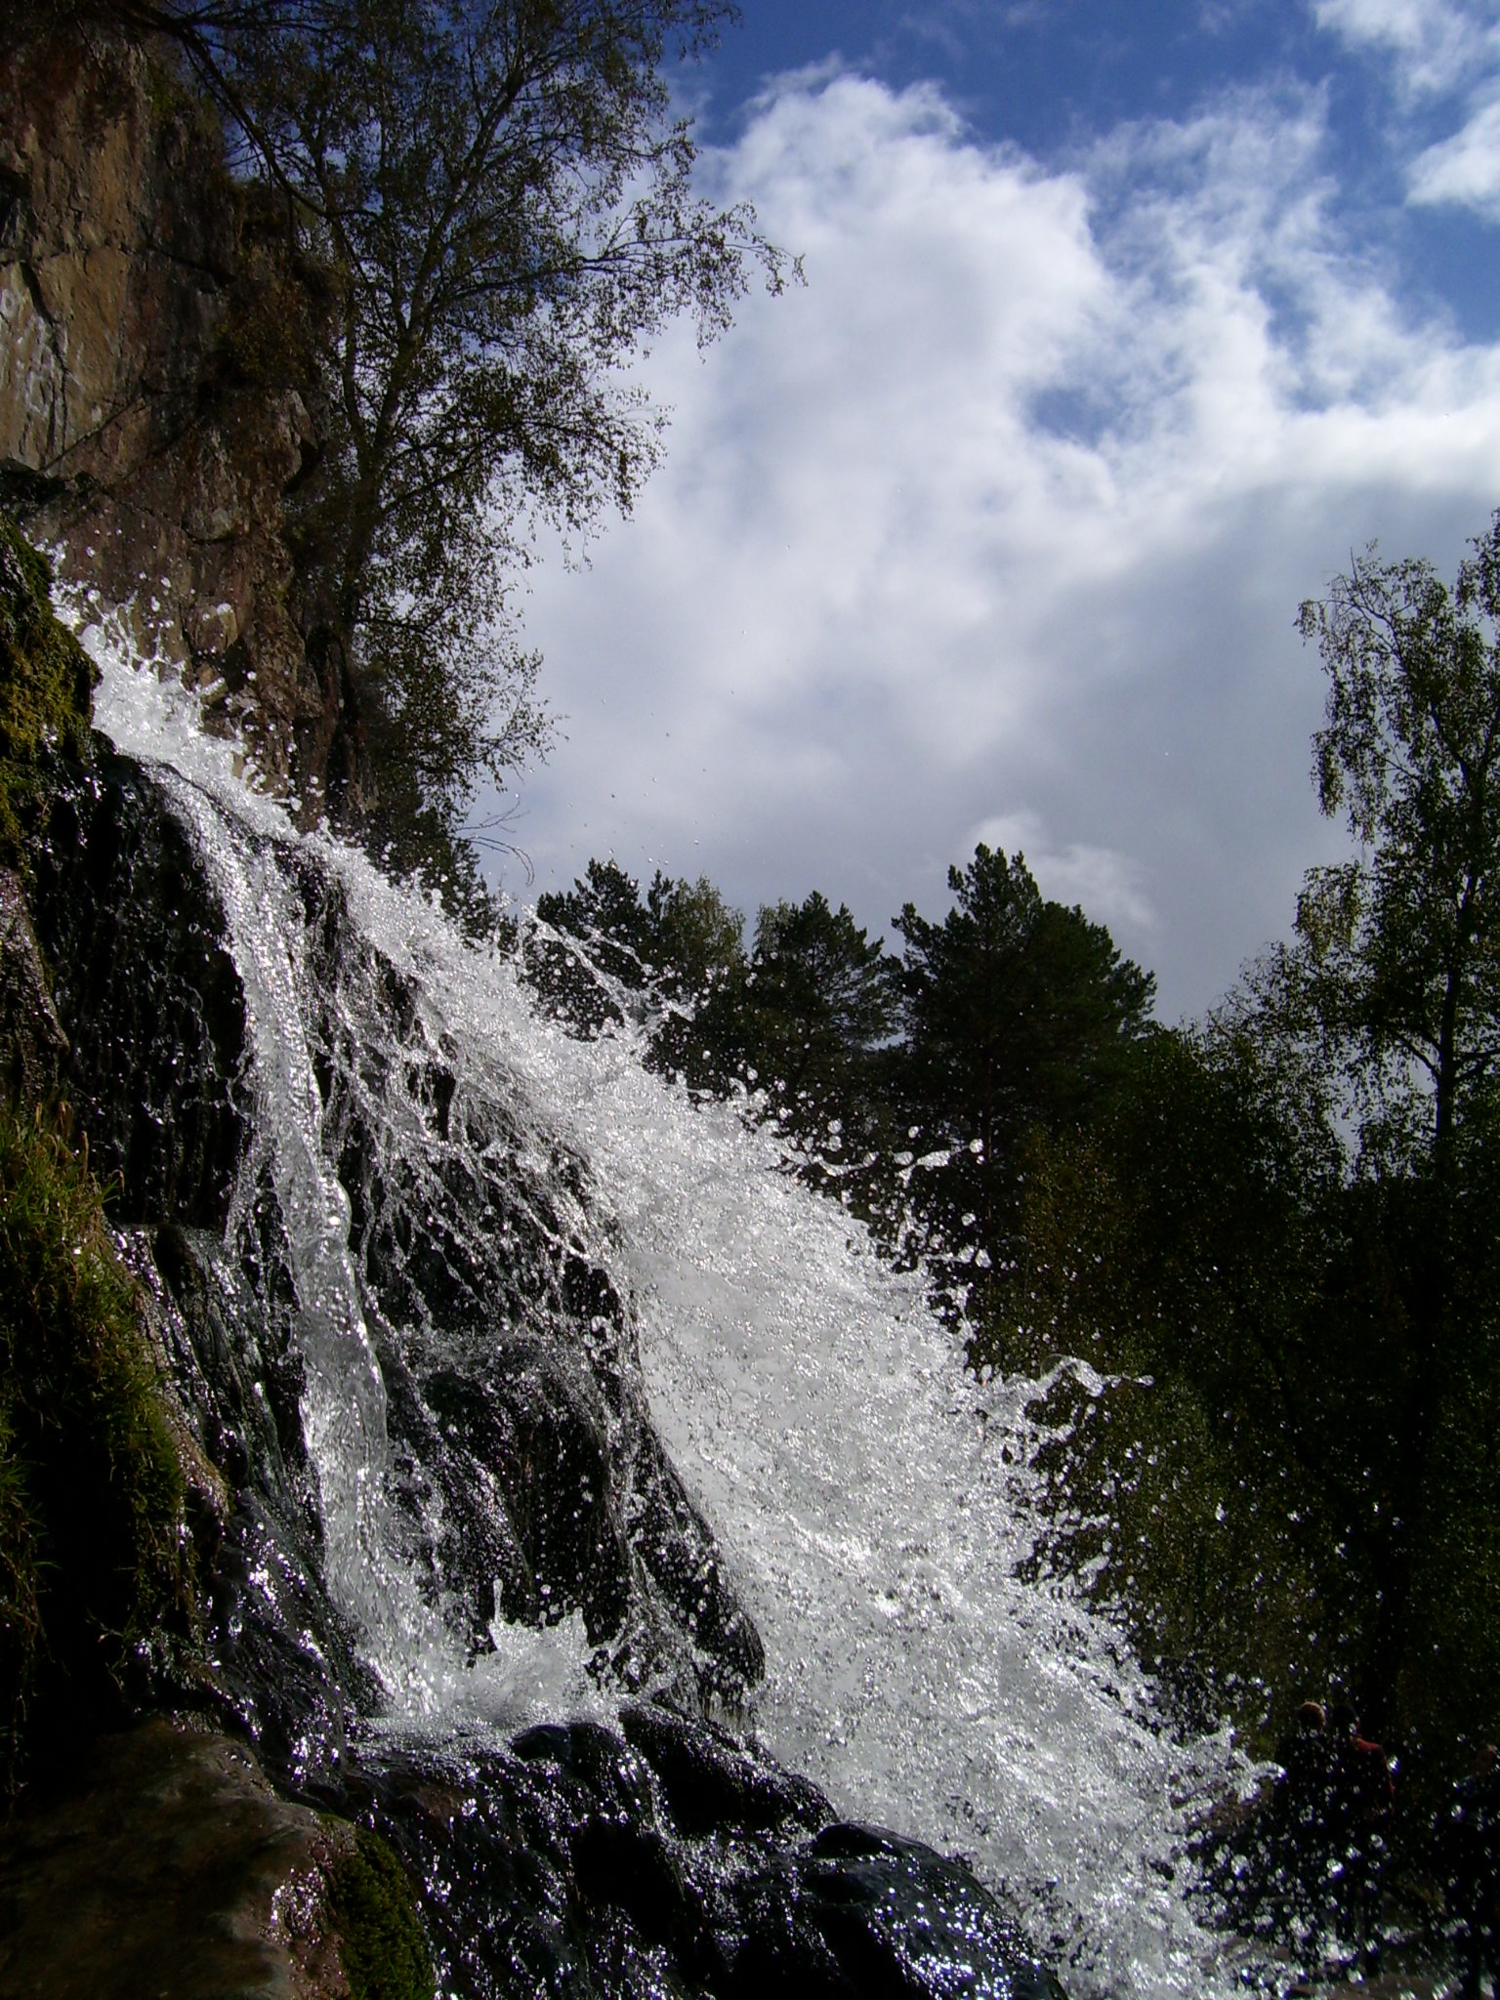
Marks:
<point>46,682</point>
<point>1272,1243</point>
<point>381,1941</point>
<point>1018,1009</point>
<point>91,1488</point>
<point>675,962</point>
<point>1257,1459</point>
<point>822,1003</point>
<point>496,202</point>
<point>604,912</point>
<point>800,1018</point>
<point>1397,966</point>
<point>1173,1246</point>
<point>1019,1013</point>
<point>1189,1532</point>
<point>698,944</point>
<point>700,939</point>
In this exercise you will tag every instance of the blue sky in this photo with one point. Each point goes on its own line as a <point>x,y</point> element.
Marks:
<point>1050,75</point>
<point>1123,325</point>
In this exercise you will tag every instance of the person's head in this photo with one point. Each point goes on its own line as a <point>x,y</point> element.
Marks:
<point>1311,1721</point>
<point>1342,1720</point>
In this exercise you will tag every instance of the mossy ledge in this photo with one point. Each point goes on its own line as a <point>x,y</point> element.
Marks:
<point>96,1566</point>
<point>372,1909</point>
<point>46,684</point>
<point>95,1559</point>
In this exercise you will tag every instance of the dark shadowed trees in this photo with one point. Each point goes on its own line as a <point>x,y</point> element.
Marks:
<point>673,961</point>
<point>1018,1013</point>
<point>821,1006</point>
<point>1172,1246</point>
<point>1275,1248</point>
<point>603,912</point>
<point>1394,978</point>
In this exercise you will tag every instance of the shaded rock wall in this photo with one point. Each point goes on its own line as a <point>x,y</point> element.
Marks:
<point>158,383</point>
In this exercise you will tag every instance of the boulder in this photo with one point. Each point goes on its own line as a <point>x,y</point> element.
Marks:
<point>164,1864</point>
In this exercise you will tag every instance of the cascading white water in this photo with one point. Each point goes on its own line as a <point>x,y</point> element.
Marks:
<point>343,1402</point>
<point>865,1491</point>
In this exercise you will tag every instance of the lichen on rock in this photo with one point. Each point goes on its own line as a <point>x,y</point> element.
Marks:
<point>99,1561</point>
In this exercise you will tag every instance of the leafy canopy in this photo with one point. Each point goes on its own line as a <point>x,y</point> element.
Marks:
<point>504,198</point>
<point>1397,964</point>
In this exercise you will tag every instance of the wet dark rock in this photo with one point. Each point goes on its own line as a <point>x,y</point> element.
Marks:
<point>147,994</point>
<point>32,1043</point>
<point>708,1779</point>
<point>676,1861</point>
<point>520,1419</point>
<point>863,1912</point>
<point>164,1863</point>
<point>283,1660</point>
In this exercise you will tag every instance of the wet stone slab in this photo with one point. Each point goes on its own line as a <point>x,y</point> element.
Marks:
<point>165,1866</point>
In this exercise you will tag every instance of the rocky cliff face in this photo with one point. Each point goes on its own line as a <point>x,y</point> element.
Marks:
<point>158,394</point>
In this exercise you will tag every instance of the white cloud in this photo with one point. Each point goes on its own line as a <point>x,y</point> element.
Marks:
<point>1435,43</point>
<point>1439,50</point>
<point>1008,511</point>
<point>1108,884</point>
<point>1464,170</point>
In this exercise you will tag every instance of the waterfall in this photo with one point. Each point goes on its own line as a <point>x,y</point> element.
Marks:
<point>867,1500</point>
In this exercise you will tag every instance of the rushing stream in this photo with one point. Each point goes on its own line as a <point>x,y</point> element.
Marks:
<point>757,1426</point>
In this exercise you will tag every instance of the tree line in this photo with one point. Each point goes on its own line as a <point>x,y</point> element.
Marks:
<point>1251,1260</point>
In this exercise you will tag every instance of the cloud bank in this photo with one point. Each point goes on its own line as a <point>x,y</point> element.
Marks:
<point>1002,522</point>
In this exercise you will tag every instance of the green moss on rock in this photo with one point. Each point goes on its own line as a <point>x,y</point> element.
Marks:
<point>46,681</point>
<point>97,1561</point>
<point>373,1909</point>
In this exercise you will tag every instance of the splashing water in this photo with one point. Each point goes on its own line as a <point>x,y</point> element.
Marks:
<point>868,1495</point>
